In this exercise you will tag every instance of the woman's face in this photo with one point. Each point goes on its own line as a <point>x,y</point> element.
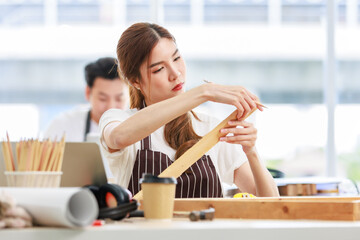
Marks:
<point>163,74</point>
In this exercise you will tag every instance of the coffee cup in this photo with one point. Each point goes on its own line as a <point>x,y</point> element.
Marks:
<point>158,196</point>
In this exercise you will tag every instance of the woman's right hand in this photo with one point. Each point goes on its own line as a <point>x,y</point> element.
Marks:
<point>238,96</point>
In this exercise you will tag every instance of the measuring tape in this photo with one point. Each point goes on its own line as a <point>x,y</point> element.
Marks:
<point>244,195</point>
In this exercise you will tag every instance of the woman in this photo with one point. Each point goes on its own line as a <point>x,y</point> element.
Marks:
<point>160,125</point>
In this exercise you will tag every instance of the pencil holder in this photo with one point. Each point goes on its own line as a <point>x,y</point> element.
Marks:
<point>49,179</point>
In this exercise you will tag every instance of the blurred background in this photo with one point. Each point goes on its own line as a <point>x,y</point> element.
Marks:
<point>301,57</point>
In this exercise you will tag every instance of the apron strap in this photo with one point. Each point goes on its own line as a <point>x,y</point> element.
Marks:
<point>87,124</point>
<point>146,142</point>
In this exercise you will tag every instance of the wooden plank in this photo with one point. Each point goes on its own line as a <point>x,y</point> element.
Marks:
<point>273,208</point>
<point>309,199</point>
<point>290,198</point>
<point>195,152</point>
<point>318,199</point>
<point>298,190</point>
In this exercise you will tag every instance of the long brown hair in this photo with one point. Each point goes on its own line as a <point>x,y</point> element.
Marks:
<point>134,47</point>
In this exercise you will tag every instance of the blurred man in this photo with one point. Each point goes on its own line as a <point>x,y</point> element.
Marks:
<point>104,90</point>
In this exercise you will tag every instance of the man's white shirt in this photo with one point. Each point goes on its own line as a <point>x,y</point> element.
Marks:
<point>73,123</point>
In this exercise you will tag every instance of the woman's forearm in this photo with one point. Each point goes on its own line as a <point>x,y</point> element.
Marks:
<point>149,119</point>
<point>264,182</point>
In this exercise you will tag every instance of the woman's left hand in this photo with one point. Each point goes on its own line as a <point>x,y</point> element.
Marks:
<point>244,133</point>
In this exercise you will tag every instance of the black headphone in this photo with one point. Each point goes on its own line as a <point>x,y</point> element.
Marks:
<point>115,202</point>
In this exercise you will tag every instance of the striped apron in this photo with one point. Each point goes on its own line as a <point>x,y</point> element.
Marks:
<point>200,180</point>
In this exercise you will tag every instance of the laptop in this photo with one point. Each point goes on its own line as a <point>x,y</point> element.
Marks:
<point>82,165</point>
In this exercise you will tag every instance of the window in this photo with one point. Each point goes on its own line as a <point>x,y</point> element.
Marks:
<point>276,48</point>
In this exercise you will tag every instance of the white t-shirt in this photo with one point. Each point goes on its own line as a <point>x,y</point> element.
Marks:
<point>72,123</point>
<point>226,157</point>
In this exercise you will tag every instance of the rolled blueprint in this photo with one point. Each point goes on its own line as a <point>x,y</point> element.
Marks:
<point>63,207</point>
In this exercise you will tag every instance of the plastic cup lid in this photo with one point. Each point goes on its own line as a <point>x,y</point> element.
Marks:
<point>149,178</point>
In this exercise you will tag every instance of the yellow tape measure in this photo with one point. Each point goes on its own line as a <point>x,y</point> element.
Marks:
<point>244,195</point>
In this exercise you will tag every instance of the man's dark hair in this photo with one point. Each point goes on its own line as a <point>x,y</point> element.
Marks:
<point>103,67</point>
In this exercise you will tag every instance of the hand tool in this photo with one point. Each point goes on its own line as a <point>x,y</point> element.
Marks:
<point>206,214</point>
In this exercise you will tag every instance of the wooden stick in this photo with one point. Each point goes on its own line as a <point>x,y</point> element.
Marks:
<point>260,104</point>
<point>44,149</point>
<point>33,152</point>
<point>6,156</point>
<point>40,155</point>
<point>10,151</point>
<point>56,157</point>
<point>29,147</point>
<point>34,155</point>
<point>37,155</point>
<point>197,151</point>
<point>52,156</point>
<point>17,146</point>
<point>47,155</point>
<point>23,155</point>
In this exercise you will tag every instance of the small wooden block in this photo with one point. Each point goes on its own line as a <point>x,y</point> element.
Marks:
<point>298,190</point>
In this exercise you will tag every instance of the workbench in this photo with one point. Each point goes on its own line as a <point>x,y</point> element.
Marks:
<point>183,229</point>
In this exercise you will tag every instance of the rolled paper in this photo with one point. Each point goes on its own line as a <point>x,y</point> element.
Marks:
<point>60,207</point>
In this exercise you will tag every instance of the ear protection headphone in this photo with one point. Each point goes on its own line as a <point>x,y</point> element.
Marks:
<point>115,202</point>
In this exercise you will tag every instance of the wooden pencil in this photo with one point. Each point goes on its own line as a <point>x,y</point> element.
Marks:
<point>6,156</point>
<point>27,162</point>
<point>52,156</point>
<point>37,155</point>
<point>34,155</point>
<point>17,154</point>
<point>47,155</point>
<point>40,155</point>
<point>10,151</point>
<point>21,154</point>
